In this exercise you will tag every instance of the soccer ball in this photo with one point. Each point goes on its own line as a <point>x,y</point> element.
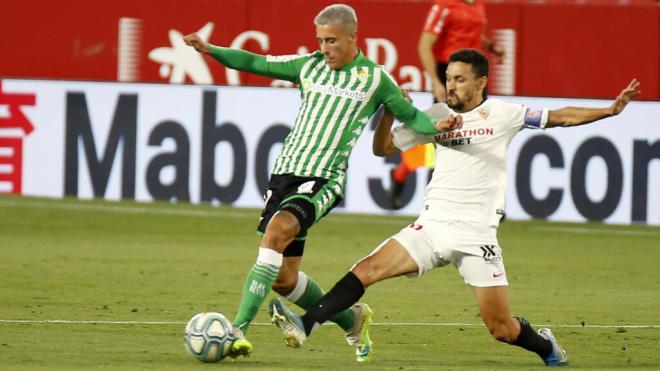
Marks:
<point>208,336</point>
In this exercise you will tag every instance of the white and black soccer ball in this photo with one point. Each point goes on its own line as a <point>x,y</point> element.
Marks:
<point>209,336</point>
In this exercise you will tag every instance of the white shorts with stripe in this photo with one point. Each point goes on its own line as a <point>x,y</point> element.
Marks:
<point>471,247</point>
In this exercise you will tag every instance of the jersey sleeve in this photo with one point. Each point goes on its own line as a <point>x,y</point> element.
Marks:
<point>402,109</point>
<point>279,67</point>
<point>436,18</point>
<point>238,59</point>
<point>286,67</point>
<point>404,138</point>
<point>523,117</point>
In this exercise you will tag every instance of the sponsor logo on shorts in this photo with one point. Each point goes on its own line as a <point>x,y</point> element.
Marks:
<point>490,255</point>
<point>416,227</point>
<point>497,274</point>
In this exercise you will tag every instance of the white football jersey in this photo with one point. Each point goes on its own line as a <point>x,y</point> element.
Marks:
<point>469,180</point>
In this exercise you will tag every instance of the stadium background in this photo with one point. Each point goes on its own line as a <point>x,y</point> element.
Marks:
<point>555,49</point>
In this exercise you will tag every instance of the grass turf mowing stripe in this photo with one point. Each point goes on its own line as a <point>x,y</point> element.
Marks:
<point>250,214</point>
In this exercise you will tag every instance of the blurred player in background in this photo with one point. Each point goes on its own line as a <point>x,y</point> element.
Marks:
<point>450,25</point>
<point>340,90</point>
<point>462,210</point>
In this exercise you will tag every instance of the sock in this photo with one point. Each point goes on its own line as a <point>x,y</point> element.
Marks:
<point>401,172</point>
<point>530,340</point>
<point>345,293</point>
<point>257,286</point>
<point>307,292</point>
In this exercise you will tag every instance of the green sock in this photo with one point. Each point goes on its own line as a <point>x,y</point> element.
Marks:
<point>313,293</point>
<point>257,286</point>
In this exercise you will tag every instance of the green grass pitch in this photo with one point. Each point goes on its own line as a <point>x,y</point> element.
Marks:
<point>129,275</point>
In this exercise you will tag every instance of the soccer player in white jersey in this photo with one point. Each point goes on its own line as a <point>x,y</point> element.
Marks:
<point>340,90</point>
<point>464,203</point>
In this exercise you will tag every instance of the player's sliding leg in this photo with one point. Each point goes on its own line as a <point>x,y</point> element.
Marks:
<point>357,334</point>
<point>295,334</point>
<point>301,289</point>
<point>494,309</point>
<point>388,260</point>
<point>307,292</point>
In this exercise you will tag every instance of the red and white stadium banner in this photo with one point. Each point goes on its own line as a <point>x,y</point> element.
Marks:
<point>218,144</point>
<point>555,48</point>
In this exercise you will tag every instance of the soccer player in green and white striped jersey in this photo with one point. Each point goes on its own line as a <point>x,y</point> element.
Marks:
<point>340,91</point>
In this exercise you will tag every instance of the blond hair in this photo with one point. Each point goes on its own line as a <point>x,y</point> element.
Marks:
<point>337,14</point>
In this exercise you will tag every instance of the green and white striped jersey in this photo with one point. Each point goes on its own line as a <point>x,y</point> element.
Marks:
<point>336,106</point>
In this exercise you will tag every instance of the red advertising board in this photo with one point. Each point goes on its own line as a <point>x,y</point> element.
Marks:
<point>559,48</point>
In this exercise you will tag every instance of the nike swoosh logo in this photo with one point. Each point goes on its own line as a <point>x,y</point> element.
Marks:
<point>495,275</point>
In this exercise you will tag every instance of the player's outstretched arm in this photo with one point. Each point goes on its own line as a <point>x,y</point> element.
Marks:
<point>236,59</point>
<point>388,141</point>
<point>574,116</point>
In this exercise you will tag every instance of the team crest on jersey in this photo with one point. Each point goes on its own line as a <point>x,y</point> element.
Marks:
<point>307,187</point>
<point>363,74</point>
<point>306,84</point>
<point>484,112</point>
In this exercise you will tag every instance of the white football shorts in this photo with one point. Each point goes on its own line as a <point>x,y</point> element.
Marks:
<point>471,247</point>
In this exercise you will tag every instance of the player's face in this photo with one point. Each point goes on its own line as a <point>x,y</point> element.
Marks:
<point>337,44</point>
<point>464,88</point>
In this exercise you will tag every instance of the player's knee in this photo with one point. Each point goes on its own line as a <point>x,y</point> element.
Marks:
<point>366,271</point>
<point>283,285</point>
<point>280,232</point>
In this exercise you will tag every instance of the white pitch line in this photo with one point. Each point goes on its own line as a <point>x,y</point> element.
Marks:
<point>220,213</point>
<point>430,324</point>
<point>125,209</point>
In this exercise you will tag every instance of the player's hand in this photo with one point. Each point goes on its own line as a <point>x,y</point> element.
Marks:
<point>450,123</point>
<point>630,92</point>
<point>196,42</point>
<point>439,92</point>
